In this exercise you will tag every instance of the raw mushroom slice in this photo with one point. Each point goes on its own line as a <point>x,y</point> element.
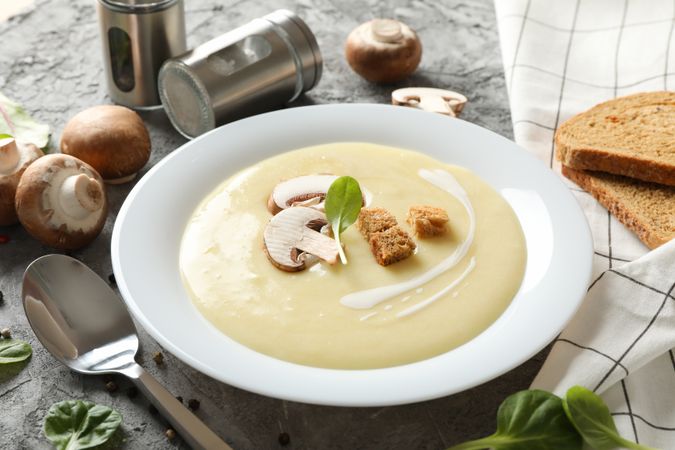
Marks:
<point>61,201</point>
<point>293,234</point>
<point>14,159</point>
<point>440,101</point>
<point>305,190</point>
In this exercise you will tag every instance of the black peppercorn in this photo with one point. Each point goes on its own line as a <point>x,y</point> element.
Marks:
<point>111,279</point>
<point>179,398</point>
<point>111,386</point>
<point>193,404</point>
<point>158,358</point>
<point>132,392</point>
<point>284,439</point>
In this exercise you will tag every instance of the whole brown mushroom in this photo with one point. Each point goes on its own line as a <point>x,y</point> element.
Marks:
<point>61,201</point>
<point>112,139</point>
<point>383,50</point>
<point>14,159</point>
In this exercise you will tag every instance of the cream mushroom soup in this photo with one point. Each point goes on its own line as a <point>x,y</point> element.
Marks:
<point>360,315</point>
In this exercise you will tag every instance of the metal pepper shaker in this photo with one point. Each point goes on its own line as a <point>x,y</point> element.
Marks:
<point>254,68</point>
<point>138,36</point>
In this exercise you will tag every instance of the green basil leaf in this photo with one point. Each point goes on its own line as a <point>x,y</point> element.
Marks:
<point>15,122</point>
<point>5,136</point>
<point>342,205</point>
<point>14,350</point>
<point>532,420</point>
<point>591,417</point>
<point>78,424</point>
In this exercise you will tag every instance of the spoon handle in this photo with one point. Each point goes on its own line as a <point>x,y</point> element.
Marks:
<point>191,429</point>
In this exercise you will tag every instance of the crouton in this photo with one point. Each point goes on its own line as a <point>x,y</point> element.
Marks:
<point>391,245</point>
<point>374,220</point>
<point>427,221</point>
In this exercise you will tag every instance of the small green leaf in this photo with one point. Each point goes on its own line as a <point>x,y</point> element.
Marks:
<point>78,424</point>
<point>532,420</point>
<point>14,350</point>
<point>591,417</point>
<point>342,205</point>
<point>15,122</point>
<point>5,136</point>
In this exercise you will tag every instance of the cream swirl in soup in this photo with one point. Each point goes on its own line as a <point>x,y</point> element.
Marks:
<point>360,315</point>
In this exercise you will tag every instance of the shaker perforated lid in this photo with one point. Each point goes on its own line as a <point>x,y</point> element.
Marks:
<point>254,68</point>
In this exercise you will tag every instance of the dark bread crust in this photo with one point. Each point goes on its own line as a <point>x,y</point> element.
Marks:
<point>633,136</point>
<point>648,209</point>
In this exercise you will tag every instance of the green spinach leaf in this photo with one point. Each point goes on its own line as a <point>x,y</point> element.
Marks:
<point>78,424</point>
<point>532,420</point>
<point>342,206</point>
<point>16,122</point>
<point>14,350</point>
<point>590,416</point>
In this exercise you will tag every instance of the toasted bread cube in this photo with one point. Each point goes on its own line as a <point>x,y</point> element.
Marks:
<point>375,220</point>
<point>427,221</point>
<point>391,245</point>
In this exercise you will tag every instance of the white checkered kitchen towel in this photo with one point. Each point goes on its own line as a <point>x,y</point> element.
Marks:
<point>560,58</point>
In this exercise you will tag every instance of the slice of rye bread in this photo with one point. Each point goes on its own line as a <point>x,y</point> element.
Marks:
<point>632,136</point>
<point>648,209</point>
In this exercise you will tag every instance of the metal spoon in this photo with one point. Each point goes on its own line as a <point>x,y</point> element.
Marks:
<point>87,327</point>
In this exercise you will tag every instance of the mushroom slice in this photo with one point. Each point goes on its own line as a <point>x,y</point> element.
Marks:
<point>293,234</point>
<point>14,158</point>
<point>61,201</point>
<point>440,101</point>
<point>305,190</point>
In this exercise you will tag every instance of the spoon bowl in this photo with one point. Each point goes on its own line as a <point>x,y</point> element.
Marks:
<point>86,326</point>
<point>82,323</point>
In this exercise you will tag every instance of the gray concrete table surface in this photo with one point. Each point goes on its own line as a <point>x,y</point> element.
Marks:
<point>50,61</point>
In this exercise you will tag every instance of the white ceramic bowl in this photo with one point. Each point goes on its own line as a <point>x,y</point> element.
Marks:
<point>149,227</point>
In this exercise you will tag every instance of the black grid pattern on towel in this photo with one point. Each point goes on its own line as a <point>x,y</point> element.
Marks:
<point>517,68</point>
<point>618,362</point>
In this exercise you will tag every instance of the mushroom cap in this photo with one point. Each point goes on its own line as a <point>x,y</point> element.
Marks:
<point>305,190</point>
<point>383,50</point>
<point>61,201</point>
<point>112,139</point>
<point>301,190</point>
<point>12,167</point>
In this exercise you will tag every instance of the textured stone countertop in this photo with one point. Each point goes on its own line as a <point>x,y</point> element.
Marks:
<point>51,63</point>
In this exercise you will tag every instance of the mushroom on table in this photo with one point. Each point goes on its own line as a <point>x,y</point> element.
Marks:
<point>383,50</point>
<point>435,100</point>
<point>112,139</point>
<point>14,159</point>
<point>61,201</point>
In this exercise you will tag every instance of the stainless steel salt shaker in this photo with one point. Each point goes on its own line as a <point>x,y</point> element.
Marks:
<point>254,68</point>
<point>138,36</point>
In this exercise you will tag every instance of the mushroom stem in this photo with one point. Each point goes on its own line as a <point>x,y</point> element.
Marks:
<point>436,104</point>
<point>386,30</point>
<point>9,156</point>
<point>80,195</point>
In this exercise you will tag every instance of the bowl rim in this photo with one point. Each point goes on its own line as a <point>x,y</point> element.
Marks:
<point>352,391</point>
